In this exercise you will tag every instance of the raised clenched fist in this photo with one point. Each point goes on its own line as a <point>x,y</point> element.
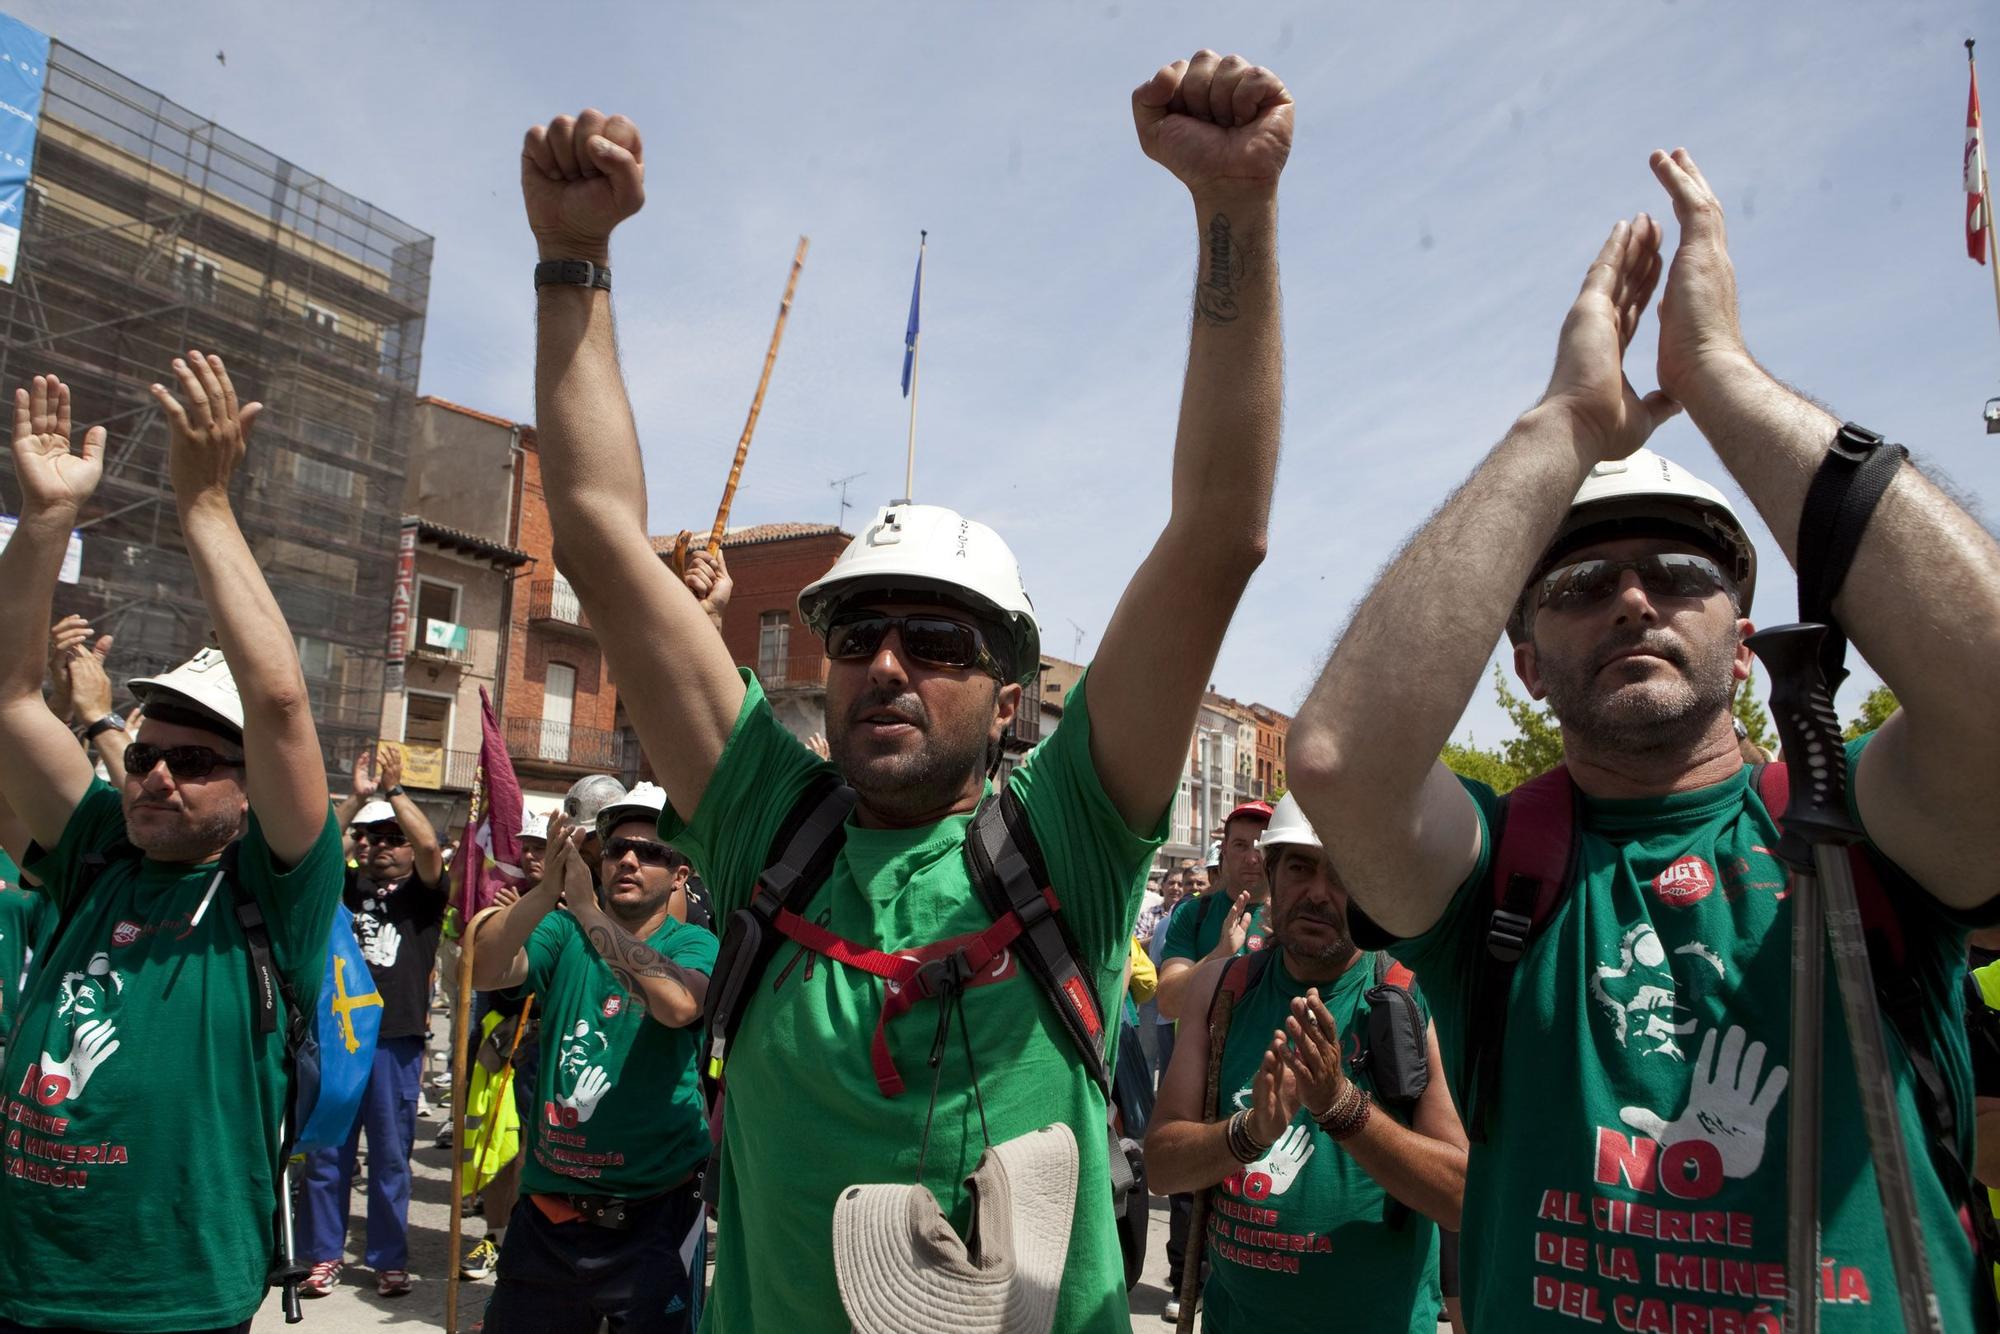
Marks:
<point>581,176</point>
<point>1219,123</point>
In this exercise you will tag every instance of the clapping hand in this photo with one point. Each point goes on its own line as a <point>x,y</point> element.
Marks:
<point>53,477</point>
<point>210,431</point>
<point>1698,315</point>
<point>1274,1094</point>
<point>1313,1053</point>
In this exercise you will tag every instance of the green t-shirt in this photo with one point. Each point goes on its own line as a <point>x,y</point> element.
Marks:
<point>143,1108</point>
<point>1635,1171</point>
<point>806,1118</point>
<point>1196,924</point>
<point>26,917</point>
<point>1304,1230</point>
<point>621,1107</point>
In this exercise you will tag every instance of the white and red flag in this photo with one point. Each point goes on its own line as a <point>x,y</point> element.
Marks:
<point>1978,210</point>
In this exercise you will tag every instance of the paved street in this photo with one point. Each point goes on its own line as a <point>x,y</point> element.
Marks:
<point>356,1307</point>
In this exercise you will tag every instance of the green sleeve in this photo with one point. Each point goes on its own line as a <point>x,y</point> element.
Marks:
<point>97,822</point>
<point>1183,925</point>
<point>298,903</point>
<point>761,773</point>
<point>690,946</point>
<point>544,949</point>
<point>1435,955</point>
<point>1096,864</point>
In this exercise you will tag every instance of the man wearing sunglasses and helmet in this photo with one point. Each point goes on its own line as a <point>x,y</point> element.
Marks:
<point>931,639</point>
<point>610,1224</point>
<point>1626,917</point>
<point>148,1069</point>
<point>397,897</point>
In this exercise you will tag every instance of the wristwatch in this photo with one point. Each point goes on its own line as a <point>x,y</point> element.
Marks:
<point>571,273</point>
<point>395,791</point>
<point>110,722</point>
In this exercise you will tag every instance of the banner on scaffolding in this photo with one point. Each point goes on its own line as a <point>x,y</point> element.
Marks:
<point>24,63</point>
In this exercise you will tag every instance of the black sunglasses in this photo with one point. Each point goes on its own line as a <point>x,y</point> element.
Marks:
<point>386,838</point>
<point>645,850</point>
<point>935,641</point>
<point>1667,574</point>
<point>182,761</point>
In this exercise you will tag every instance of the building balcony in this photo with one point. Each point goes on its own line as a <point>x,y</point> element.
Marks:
<point>553,605</point>
<point>587,748</point>
<point>794,671</point>
<point>439,657</point>
<point>434,769</point>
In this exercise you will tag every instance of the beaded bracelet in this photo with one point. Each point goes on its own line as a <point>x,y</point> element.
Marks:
<point>1348,1114</point>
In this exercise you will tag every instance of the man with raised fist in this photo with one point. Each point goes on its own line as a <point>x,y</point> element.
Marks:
<point>930,635</point>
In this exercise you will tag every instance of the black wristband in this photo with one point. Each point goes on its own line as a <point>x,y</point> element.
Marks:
<point>393,792</point>
<point>571,273</point>
<point>110,722</point>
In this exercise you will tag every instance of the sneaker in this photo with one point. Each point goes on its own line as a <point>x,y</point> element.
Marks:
<point>324,1278</point>
<point>1171,1312</point>
<point>479,1261</point>
<point>392,1283</point>
<point>443,1140</point>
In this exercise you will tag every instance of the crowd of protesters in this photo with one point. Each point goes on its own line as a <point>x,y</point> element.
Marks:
<point>918,1044</point>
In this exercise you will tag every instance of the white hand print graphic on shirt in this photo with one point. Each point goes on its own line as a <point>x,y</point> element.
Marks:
<point>577,1066</point>
<point>1726,1108</point>
<point>381,945</point>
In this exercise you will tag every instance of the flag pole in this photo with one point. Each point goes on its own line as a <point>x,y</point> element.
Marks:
<point>1986,190</point>
<point>916,355</point>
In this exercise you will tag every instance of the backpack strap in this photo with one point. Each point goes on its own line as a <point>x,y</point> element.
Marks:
<point>90,868</point>
<point>802,857</point>
<point>269,987</point>
<point>1534,859</point>
<point>1008,870</point>
<point>1241,974</point>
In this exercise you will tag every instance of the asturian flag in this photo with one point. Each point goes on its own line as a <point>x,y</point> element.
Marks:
<point>1978,211</point>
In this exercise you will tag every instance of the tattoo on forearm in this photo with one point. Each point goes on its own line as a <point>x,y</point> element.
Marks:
<point>1215,294</point>
<point>628,958</point>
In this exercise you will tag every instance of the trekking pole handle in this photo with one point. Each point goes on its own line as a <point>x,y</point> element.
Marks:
<point>1814,750</point>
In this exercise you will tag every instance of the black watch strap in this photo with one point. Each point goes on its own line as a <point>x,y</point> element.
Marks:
<point>571,273</point>
<point>110,722</point>
<point>395,791</point>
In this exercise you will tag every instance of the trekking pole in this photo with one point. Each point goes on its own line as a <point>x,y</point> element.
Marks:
<point>289,1292</point>
<point>1817,832</point>
<point>1197,1240</point>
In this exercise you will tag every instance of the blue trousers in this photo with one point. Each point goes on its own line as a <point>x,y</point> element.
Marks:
<point>389,1116</point>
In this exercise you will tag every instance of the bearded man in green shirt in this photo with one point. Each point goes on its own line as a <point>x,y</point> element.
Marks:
<point>1633,1167</point>
<point>931,636</point>
<point>144,1098</point>
<point>1324,1206</point>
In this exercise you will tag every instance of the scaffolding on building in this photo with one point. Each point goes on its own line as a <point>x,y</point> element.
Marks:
<point>149,230</point>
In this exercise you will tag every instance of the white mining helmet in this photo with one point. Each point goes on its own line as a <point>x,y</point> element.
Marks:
<point>927,553</point>
<point>1288,827</point>
<point>1646,495</point>
<point>203,683</point>
<point>644,802</point>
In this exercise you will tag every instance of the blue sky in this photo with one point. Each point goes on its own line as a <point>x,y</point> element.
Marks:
<point>1456,167</point>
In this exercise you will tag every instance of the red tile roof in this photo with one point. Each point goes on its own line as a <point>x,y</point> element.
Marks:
<point>762,532</point>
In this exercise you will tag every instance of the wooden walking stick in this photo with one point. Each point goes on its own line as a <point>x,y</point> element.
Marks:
<point>1197,1241</point>
<point>461,1023</point>
<point>683,545</point>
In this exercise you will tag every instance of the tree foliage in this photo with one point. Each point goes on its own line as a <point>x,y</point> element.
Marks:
<point>1749,711</point>
<point>1876,707</point>
<point>1535,747</point>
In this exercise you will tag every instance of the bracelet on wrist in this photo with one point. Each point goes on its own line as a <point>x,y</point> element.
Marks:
<point>1243,1145</point>
<point>1350,1112</point>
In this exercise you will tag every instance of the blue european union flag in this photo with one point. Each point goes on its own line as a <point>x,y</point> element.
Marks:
<point>910,334</point>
